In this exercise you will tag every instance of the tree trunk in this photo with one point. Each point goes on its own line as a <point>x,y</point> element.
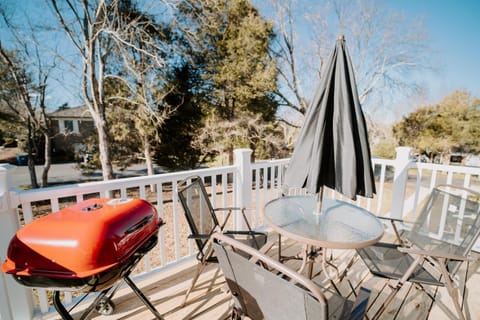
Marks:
<point>104,151</point>
<point>148,159</point>
<point>148,156</point>
<point>103,143</point>
<point>30,162</point>
<point>48,160</point>
<point>253,147</point>
<point>230,155</point>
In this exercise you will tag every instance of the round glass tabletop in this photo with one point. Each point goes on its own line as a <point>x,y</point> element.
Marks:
<point>339,225</point>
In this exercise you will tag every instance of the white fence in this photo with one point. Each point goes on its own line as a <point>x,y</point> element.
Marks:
<point>401,185</point>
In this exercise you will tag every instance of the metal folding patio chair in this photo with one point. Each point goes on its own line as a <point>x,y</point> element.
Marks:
<point>442,236</point>
<point>203,221</point>
<point>263,288</point>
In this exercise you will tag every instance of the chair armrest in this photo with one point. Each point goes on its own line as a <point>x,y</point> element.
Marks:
<point>394,222</point>
<point>432,254</point>
<point>390,219</point>
<point>198,236</point>
<point>227,209</point>
<point>232,209</point>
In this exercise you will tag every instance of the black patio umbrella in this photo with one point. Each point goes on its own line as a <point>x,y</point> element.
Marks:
<point>332,147</point>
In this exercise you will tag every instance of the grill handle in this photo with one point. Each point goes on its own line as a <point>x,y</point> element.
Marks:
<point>140,224</point>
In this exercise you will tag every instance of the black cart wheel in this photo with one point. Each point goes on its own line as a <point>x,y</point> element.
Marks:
<point>105,307</point>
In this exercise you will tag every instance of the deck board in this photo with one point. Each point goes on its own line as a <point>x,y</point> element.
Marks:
<point>209,301</point>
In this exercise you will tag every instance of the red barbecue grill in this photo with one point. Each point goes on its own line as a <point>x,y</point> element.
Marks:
<point>86,247</point>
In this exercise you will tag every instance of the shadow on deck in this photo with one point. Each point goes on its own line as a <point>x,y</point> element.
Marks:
<point>210,301</point>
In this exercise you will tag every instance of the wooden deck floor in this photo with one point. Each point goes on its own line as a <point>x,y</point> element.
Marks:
<point>209,301</point>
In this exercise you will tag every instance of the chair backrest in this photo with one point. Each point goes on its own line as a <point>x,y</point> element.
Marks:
<point>198,210</point>
<point>449,222</point>
<point>263,294</point>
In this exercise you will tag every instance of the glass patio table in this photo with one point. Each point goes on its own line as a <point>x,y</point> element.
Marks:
<point>340,225</point>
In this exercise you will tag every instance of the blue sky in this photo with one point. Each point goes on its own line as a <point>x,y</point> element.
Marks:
<point>453,27</point>
<point>454,30</point>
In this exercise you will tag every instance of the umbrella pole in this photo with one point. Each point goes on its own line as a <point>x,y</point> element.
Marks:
<point>318,208</point>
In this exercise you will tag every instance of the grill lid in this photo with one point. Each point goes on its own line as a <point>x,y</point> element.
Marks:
<point>82,240</point>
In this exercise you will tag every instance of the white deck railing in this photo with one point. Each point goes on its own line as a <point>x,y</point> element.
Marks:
<point>401,185</point>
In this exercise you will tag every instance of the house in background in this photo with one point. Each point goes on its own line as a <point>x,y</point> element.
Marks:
<point>71,128</point>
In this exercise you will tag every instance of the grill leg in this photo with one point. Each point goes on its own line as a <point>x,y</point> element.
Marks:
<point>92,306</point>
<point>142,297</point>
<point>59,307</point>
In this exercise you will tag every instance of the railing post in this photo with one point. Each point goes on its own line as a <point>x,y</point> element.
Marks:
<point>400,178</point>
<point>243,182</point>
<point>16,301</point>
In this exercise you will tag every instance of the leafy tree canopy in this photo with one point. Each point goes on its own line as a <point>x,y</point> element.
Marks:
<point>449,126</point>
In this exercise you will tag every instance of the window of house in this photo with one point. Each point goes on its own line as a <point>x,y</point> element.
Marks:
<point>68,125</point>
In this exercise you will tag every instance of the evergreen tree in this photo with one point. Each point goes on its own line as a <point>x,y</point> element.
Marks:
<point>176,148</point>
<point>238,74</point>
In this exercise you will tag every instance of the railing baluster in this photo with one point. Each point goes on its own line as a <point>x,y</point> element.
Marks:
<point>224,190</point>
<point>433,179</point>
<point>27,212</point>
<point>161,233</point>
<point>54,204</point>
<point>176,231</point>
<point>257,195</point>
<point>43,300</point>
<point>383,168</point>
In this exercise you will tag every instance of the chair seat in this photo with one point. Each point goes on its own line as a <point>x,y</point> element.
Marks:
<point>384,260</point>
<point>253,239</point>
<point>444,232</point>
